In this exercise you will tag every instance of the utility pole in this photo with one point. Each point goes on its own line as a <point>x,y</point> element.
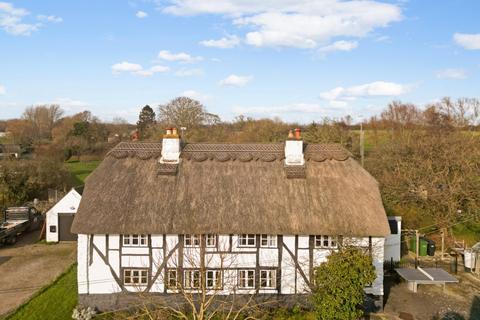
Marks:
<point>362,149</point>
<point>417,247</point>
<point>443,243</point>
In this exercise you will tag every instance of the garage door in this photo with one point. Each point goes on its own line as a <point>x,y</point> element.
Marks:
<point>64,224</point>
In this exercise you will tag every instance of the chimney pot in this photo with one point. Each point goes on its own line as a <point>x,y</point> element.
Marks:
<point>297,133</point>
<point>169,131</point>
<point>290,134</point>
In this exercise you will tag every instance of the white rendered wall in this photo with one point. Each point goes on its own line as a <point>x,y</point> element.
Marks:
<point>95,276</point>
<point>393,242</point>
<point>68,204</point>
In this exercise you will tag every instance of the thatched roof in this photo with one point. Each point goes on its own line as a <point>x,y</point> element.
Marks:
<point>230,188</point>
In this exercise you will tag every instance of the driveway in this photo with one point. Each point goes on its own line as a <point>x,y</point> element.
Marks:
<point>27,266</point>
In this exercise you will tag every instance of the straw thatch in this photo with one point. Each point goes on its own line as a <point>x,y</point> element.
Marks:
<point>230,188</point>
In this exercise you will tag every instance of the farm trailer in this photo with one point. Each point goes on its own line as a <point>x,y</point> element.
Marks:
<point>18,220</point>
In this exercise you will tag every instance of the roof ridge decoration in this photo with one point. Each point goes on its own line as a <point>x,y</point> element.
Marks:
<point>221,152</point>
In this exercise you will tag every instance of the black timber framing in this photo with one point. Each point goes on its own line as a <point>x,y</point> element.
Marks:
<point>279,266</point>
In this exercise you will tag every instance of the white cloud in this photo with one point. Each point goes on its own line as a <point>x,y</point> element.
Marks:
<point>235,80</point>
<point>12,20</point>
<point>195,95</point>
<point>126,67</point>
<point>53,19</point>
<point>189,72</point>
<point>141,14</point>
<point>468,41</point>
<point>67,104</point>
<point>452,74</point>
<point>295,23</point>
<point>289,108</point>
<point>223,43</point>
<point>3,90</point>
<point>341,45</point>
<point>181,57</point>
<point>377,88</point>
<point>137,69</point>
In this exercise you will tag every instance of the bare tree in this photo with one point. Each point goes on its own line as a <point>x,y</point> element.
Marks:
<point>185,112</point>
<point>42,119</point>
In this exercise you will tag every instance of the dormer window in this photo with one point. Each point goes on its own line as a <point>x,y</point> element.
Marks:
<point>246,240</point>
<point>135,240</point>
<point>326,242</point>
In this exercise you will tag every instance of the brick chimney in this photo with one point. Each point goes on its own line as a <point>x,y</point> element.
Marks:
<point>294,149</point>
<point>170,146</point>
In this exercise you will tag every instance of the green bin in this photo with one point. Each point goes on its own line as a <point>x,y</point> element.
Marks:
<point>423,246</point>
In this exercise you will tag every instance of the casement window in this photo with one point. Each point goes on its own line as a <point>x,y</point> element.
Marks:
<point>268,241</point>
<point>172,280</point>
<point>246,240</point>
<point>192,240</point>
<point>135,240</point>
<point>246,279</point>
<point>214,279</point>
<point>135,276</point>
<point>268,279</point>
<point>326,242</point>
<point>192,279</point>
<point>211,240</point>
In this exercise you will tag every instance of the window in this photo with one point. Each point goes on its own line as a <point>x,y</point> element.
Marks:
<point>268,241</point>
<point>214,279</point>
<point>268,279</point>
<point>325,242</point>
<point>53,229</point>
<point>192,279</point>
<point>246,240</point>
<point>211,240</point>
<point>192,240</point>
<point>246,279</point>
<point>135,240</point>
<point>135,276</point>
<point>172,281</point>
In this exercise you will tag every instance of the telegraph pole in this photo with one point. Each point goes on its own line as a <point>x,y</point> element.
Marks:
<point>362,142</point>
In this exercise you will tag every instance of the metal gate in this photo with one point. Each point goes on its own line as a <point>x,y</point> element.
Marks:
<point>64,224</point>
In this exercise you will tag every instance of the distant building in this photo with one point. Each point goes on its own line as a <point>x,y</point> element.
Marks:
<point>276,209</point>
<point>8,151</point>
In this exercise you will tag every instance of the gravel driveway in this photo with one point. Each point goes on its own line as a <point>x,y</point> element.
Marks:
<point>27,266</point>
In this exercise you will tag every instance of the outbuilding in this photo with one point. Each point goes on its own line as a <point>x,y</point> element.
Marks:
<point>60,217</point>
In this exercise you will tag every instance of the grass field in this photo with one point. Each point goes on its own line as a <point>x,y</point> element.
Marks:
<point>56,301</point>
<point>81,169</point>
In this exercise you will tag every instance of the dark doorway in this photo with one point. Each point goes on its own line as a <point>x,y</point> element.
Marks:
<point>64,224</point>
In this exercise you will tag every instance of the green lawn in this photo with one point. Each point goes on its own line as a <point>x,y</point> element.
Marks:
<point>56,301</point>
<point>81,169</point>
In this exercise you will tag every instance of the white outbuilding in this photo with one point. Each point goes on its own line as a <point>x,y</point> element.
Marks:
<point>60,217</point>
<point>393,242</point>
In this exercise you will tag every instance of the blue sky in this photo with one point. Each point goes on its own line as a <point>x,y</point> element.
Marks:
<point>300,60</point>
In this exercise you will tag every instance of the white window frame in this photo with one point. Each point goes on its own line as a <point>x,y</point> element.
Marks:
<point>211,240</point>
<point>244,240</point>
<point>326,242</point>
<point>140,274</point>
<point>244,277</point>
<point>270,241</point>
<point>129,239</point>
<point>215,277</point>
<point>170,272</point>
<point>189,279</point>
<point>191,241</point>
<point>269,276</point>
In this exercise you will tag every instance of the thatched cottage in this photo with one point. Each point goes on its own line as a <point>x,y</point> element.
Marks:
<point>232,218</point>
